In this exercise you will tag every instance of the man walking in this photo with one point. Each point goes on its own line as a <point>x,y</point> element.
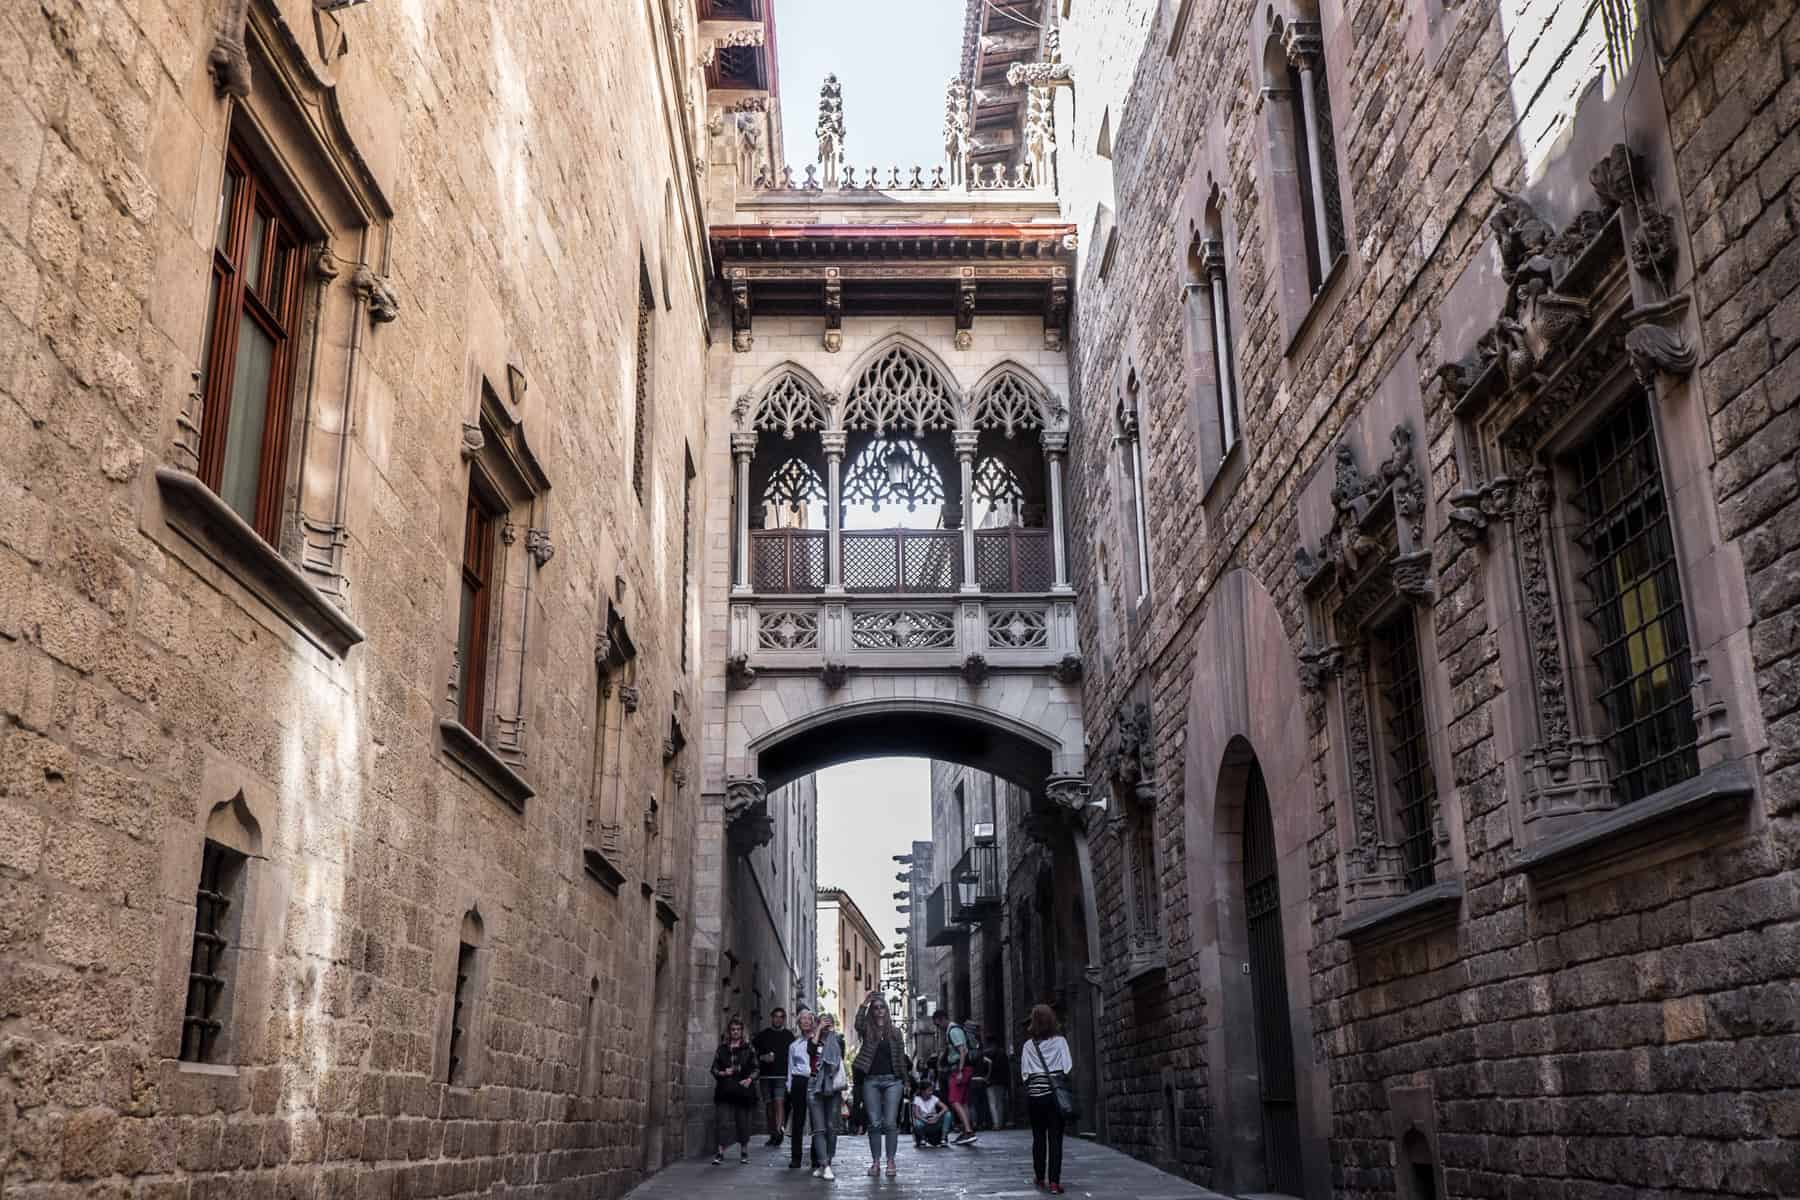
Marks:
<point>771,1068</point>
<point>956,1066</point>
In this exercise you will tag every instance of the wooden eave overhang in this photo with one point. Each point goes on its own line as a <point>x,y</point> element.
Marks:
<point>997,269</point>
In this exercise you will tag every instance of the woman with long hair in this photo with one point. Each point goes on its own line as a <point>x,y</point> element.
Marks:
<point>799,1075</point>
<point>881,1057</point>
<point>1045,1062</point>
<point>825,1093</point>
<point>734,1090</point>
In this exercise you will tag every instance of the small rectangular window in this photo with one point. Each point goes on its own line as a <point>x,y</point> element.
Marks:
<point>462,1013</point>
<point>473,617</point>
<point>1400,682</point>
<point>1634,603</point>
<point>247,353</point>
<point>209,965</point>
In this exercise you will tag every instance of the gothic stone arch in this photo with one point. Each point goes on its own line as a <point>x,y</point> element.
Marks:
<point>1245,690</point>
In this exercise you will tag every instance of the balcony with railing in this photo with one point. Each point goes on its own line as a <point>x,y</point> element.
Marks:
<point>941,928</point>
<point>979,891</point>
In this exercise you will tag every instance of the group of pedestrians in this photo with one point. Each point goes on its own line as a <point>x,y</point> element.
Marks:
<point>801,1077</point>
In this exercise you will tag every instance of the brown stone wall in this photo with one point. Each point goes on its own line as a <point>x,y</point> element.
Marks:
<point>525,159</point>
<point>1626,1033</point>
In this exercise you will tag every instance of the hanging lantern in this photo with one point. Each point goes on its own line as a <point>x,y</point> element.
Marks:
<point>899,466</point>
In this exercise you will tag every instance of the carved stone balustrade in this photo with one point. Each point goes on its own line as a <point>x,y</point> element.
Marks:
<point>903,632</point>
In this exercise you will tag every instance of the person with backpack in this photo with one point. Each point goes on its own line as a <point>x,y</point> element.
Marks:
<point>957,1068</point>
<point>1045,1064</point>
<point>734,1090</point>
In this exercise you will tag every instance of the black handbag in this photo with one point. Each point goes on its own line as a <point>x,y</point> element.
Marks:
<point>1059,1086</point>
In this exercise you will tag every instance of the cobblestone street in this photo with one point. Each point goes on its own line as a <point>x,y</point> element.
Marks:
<point>999,1166</point>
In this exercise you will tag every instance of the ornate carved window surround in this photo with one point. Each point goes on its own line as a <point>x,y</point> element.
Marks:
<point>505,474</point>
<point>1369,587</point>
<point>1130,759</point>
<point>1591,323</point>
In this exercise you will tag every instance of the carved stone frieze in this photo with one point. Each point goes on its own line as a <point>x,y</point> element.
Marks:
<point>1378,523</point>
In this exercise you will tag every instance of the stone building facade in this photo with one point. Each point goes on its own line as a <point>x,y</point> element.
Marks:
<point>351,368</point>
<point>1435,541</point>
<point>849,955</point>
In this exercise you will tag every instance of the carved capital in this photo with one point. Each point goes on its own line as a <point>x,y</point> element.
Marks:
<point>743,444</point>
<point>1212,258</point>
<point>1304,43</point>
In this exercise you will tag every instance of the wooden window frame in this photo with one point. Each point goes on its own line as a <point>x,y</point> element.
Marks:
<point>234,296</point>
<point>480,528</point>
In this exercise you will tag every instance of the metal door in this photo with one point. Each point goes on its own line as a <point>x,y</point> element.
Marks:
<point>1269,994</point>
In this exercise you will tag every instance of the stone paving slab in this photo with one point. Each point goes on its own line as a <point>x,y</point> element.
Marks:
<point>999,1166</point>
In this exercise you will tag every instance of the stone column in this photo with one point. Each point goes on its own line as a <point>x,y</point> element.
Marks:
<point>1056,447</point>
<point>743,445</point>
<point>1305,49</point>
<point>1212,261</point>
<point>833,441</point>
<point>965,457</point>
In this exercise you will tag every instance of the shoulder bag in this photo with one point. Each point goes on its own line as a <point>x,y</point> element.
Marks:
<point>1059,1086</point>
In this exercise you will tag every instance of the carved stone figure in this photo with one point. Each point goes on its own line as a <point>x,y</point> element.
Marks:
<point>830,129</point>
<point>739,674</point>
<point>1040,135</point>
<point>975,670</point>
<point>749,142</point>
<point>834,675</point>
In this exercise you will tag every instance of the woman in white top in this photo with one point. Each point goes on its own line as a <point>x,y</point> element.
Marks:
<point>799,1079</point>
<point>1045,1055</point>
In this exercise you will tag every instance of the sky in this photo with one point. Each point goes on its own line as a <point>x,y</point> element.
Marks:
<point>893,74</point>
<point>868,812</point>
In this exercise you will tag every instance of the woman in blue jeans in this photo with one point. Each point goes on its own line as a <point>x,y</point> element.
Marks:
<point>881,1058</point>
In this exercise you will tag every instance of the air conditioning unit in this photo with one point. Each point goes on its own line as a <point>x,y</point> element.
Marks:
<point>984,833</point>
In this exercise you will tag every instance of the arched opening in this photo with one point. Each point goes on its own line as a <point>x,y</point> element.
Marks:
<point>907,728</point>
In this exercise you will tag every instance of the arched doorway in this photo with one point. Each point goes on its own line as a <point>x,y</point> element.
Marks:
<point>1269,992</point>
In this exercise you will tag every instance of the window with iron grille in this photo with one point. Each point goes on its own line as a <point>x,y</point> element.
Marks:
<point>1634,610</point>
<point>462,1014</point>
<point>203,1022</point>
<point>640,435</point>
<point>1412,783</point>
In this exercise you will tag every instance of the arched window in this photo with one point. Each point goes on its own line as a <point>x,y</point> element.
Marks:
<point>1209,322</point>
<point>1308,211</point>
<point>1131,471</point>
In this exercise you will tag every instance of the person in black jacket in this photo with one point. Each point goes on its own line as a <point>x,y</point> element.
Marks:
<point>734,1090</point>
<point>772,1063</point>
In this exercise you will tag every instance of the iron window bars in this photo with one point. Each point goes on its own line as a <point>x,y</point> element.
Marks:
<point>460,1012</point>
<point>203,1020</point>
<point>1635,607</point>
<point>1414,784</point>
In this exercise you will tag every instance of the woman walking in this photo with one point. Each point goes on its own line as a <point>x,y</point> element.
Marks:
<point>799,1076</point>
<point>825,1094</point>
<point>734,1090</point>
<point>881,1057</point>
<point>1045,1063</point>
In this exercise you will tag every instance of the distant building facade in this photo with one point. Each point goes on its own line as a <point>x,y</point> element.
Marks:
<point>849,955</point>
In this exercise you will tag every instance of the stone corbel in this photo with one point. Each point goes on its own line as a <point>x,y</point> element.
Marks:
<point>1319,666</point>
<point>975,670</point>
<point>376,292</point>
<point>748,824</point>
<point>1472,510</point>
<point>739,674</point>
<point>1656,342</point>
<point>741,338</point>
<point>227,60</point>
<point>834,675</point>
<point>965,310</point>
<point>1304,43</point>
<point>472,440</point>
<point>1056,314</point>
<point>603,648</point>
<point>1068,671</point>
<point>834,311</point>
<point>538,545</point>
<point>630,697</point>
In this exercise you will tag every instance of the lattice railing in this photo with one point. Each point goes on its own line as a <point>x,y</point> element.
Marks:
<point>902,560</point>
<point>1014,560</point>
<point>902,629</point>
<point>787,560</point>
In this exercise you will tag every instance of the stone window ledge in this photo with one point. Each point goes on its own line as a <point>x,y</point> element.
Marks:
<point>665,912</point>
<point>197,513</point>
<point>1146,960</point>
<point>603,869</point>
<point>476,757</point>
<point>1324,300</point>
<point>1716,796</point>
<point>218,1070</point>
<point>1227,473</point>
<point>1402,917</point>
